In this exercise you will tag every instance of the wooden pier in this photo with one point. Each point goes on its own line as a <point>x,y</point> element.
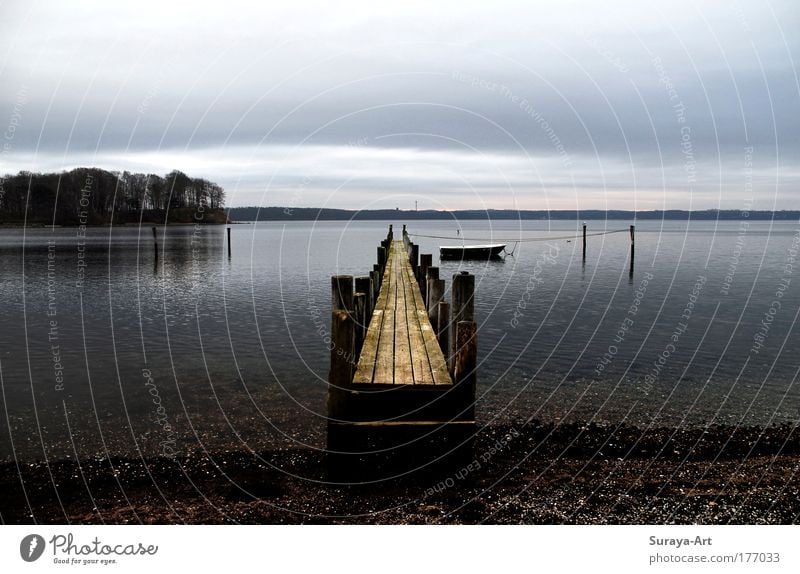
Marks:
<point>400,390</point>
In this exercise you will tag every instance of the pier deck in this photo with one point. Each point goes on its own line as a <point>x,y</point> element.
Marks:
<point>401,391</point>
<point>400,347</point>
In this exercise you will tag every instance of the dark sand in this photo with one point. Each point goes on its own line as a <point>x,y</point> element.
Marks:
<point>523,474</point>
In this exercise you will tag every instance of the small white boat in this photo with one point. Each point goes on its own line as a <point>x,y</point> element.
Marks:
<point>471,251</point>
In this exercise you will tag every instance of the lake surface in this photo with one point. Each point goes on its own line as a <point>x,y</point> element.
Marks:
<point>105,350</point>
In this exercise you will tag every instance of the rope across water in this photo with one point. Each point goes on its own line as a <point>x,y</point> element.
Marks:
<point>520,239</point>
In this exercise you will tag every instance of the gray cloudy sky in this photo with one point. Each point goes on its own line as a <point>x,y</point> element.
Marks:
<point>630,105</point>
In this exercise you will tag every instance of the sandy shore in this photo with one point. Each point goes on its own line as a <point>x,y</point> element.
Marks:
<point>526,473</point>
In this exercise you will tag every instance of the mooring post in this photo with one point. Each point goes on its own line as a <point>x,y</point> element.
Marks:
<point>443,331</point>
<point>390,236</point>
<point>342,293</point>
<point>229,243</point>
<point>376,281</point>
<point>463,302</point>
<point>414,257</point>
<point>340,376</point>
<point>360,317</point>
<point>155,243</point>
<point>633,228</point>
<point>382,259</point>
<point>435,294</point>
<point>425,261</point>
<point>584,242</point>
<point>430,274</point>
<point>364,285</point>
<point>465,374</point>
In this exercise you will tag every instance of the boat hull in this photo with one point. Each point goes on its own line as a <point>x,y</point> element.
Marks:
<point>462,252</point>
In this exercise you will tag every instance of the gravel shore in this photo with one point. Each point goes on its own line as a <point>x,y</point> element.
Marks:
<point>517,474</point>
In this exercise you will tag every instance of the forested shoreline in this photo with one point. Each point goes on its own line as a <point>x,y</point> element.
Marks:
<point>92,196</point>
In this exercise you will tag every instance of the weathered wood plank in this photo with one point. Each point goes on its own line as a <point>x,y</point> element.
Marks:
<point>403,370</point>
<point>384,362</point>
<point>369,352</point>
<point>433,353</point>
<point>419,353</point>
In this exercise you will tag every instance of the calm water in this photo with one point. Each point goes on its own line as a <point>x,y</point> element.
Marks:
<point>96,336</point>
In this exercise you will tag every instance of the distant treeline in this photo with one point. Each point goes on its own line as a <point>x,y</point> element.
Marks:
<point>324,214</point>
<point>91,196</point>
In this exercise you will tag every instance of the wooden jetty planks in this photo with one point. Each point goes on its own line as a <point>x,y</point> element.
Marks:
<point>384,363</point>
<point>419,352</point>
<point>435,357</point>
<point>403,360</point>
<point>400,346</point>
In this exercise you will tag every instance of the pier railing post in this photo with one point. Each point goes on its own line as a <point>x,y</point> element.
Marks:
<point>463,302</point>
<point>465,374</point>
<point>229,243</point>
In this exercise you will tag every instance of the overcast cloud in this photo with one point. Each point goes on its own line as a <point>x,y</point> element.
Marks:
<point>453,104</point>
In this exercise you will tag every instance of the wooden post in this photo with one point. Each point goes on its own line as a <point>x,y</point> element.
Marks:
<point>382,258</point>
<point>360,316</point>
<point>342,293</point>
<point>229,243</point>
<point>431,274</point>
<point>584,242</point>
<point>155,243</point>
<point>463,301</point>
<point>340,376</point>
<point>425,261</point>
<point>364,285</point>
<point>465,368</point>
<point>435,294</point>
<point>414,257</point>
<point>443,330</point>
<point>633,228</point>
<point>390,236</point>
<point>376,281</point>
